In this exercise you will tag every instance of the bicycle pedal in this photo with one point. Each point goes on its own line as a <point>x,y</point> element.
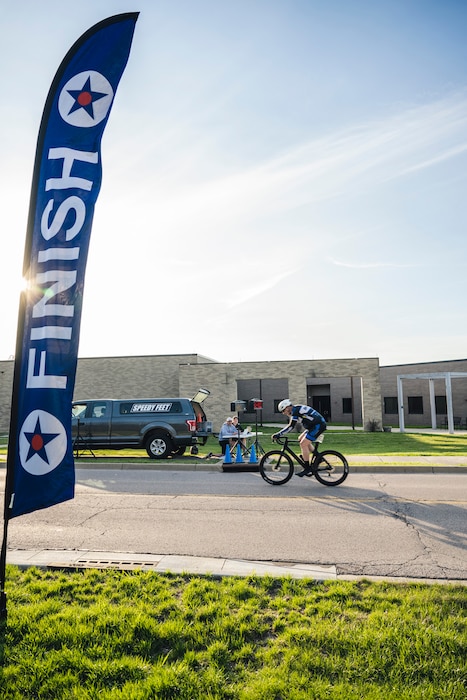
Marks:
<point>328,468</point>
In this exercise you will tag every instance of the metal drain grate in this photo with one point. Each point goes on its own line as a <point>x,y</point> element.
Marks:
<point>106,564</point>
<point>120,563</point>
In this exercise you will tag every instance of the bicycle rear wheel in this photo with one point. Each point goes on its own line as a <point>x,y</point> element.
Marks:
<point>276,467</point>
<point>332,468</point>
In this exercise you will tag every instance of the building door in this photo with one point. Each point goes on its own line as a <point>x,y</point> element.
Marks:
<point>322,404</point>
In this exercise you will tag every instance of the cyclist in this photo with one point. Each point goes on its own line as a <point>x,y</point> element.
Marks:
<point>312,421</point>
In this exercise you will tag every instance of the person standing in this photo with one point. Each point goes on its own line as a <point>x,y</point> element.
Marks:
<point>239,428</point>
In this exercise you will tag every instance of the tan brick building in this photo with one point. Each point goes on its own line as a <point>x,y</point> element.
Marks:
<point>322,383</point>
<point>416,393</point>
<point>345,391</point>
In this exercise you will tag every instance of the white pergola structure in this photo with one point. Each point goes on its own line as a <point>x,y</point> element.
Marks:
<point>447,376</point>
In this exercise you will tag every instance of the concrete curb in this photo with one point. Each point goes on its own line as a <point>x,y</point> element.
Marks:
<point>167,563</point>
<point>204,566</point>
<point>358,464</point>
<point>416,465</point>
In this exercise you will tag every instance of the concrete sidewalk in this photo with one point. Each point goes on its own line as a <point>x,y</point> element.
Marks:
<point>198,566</point>
<point>166,563</point>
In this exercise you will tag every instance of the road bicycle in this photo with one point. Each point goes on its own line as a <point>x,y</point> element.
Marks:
<point>328,467</point>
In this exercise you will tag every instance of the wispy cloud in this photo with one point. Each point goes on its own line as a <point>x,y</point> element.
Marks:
<point>446,155</point>
<point>342,163</point>
<point>373,152</point>
<point>372,265</point>
<point>250,291</point>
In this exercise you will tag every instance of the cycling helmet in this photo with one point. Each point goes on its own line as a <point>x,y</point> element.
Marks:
<point>283,404</point>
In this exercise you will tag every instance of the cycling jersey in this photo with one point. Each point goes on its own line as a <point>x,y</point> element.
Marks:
<point>312,421</point>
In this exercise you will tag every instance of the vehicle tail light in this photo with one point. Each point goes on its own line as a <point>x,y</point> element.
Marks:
<point>191,425</point>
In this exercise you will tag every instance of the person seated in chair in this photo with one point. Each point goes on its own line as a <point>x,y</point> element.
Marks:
<point>227,434</point>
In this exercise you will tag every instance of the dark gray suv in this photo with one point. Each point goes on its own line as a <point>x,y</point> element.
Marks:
<point>164,427</point>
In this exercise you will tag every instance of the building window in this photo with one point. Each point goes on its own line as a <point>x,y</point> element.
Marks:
<point>415,404</point>
<point>390,404</point>
<point>347,405</point>
<point>441,405</point>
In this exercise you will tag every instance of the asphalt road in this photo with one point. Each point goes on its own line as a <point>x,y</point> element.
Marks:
<point>375,524</point>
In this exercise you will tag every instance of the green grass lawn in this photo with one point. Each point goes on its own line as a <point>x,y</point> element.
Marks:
<point>346,441</point>
<point>352,443</point>
<point>137,635</point>
<point>349,443</point>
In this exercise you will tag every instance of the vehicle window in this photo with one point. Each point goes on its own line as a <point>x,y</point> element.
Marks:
<point>198,411</point>
<point>78,410</point>
<point>98,410</point>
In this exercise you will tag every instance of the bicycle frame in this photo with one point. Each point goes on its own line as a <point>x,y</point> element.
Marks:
<point>284,441</point>
<point>328,467</point>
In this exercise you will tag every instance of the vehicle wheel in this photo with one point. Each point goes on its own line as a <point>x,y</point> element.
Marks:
<point>159,446</point>
<point>276,467</point>
<point>332,468</point>
<point>179,451</point>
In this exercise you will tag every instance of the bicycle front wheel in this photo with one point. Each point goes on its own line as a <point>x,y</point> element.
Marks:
<point>332,468</point>
<point>276,467</point>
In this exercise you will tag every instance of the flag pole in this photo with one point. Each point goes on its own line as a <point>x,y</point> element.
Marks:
<point>13,430</point>
<point>11,447</point>
<point>66,182</point>
<point>3,599</point>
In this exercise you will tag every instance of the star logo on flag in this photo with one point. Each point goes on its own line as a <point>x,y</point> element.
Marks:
<point>42,443</point>
<point>38,440</point>
<point>85,100</point>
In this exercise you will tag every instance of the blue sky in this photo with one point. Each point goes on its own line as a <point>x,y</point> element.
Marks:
<point>281,180</point>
